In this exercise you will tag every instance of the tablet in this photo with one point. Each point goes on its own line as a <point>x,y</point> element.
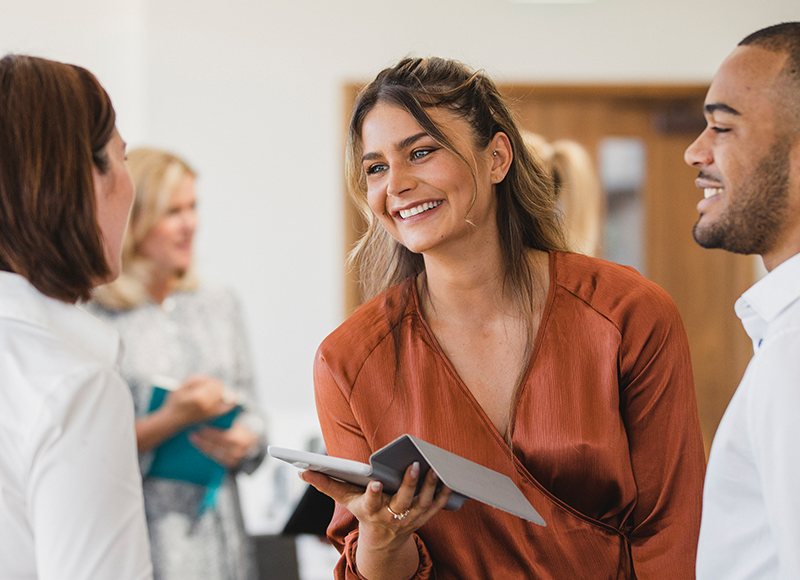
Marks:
<point>466,479</point>
<point>342,469</point>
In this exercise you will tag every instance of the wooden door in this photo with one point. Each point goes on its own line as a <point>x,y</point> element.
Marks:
<point>704,283</point>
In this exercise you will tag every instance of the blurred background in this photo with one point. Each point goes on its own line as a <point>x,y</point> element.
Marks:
<point>255,94</point>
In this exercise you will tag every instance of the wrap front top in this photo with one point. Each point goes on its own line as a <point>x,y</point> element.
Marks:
<point>604,432</point>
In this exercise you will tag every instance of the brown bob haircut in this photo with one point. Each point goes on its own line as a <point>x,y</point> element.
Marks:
<point>55,121</point>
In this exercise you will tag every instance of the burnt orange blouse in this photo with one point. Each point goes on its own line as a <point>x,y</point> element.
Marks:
<point>605,435</point>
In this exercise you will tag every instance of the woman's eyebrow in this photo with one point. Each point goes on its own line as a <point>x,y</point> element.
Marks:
<point>399,147</point>
<point>410,140</point>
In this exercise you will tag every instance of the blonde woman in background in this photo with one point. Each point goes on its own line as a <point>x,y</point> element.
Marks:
<point>192,334</point>
<point>577,186</point>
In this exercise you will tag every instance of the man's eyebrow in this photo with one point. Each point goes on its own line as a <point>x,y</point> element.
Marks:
<point>400,146</point>
<point>722,108</point>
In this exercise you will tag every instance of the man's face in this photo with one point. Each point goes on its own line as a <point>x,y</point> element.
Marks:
<point>743,157</point>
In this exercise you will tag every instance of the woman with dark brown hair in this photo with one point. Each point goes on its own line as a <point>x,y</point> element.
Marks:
<point>488,338</point>
<point>70,492</point>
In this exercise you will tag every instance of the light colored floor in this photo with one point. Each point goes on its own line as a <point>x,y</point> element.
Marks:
<point>315,559</point>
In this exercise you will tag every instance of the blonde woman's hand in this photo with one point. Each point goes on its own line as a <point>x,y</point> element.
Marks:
<point>200,397</point>
<point>386,548</point>
<point>227,447</point>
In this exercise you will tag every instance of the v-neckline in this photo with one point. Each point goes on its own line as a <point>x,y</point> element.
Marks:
<point>546,311</point>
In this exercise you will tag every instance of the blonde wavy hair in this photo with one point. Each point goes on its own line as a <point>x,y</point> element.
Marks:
<point>578,190</point>
<point>156,174</point>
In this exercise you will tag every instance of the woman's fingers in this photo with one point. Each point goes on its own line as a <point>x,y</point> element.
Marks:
<point>373,497</point>
<point>428,502</point>
<point>404,497</point>
<point>200,397</point>
<point>402,513</point>
<point>225,446</point>
<point>339,491</point>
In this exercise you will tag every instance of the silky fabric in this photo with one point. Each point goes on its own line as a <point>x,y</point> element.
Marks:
<point>605,437</point>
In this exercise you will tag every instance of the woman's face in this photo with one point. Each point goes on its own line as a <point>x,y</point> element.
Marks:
<point>422,192</point>
<point>168,246</point>
<point>114,195</point>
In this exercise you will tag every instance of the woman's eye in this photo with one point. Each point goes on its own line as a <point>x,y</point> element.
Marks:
<point>719,129</point>
<point>420,153</point>
<point>375,168</point>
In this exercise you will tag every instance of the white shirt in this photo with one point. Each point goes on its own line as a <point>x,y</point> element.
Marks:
<point>71,504</point>
<point>751,501</point>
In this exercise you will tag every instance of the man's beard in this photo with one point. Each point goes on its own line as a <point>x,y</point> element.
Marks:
<point>753,221</point>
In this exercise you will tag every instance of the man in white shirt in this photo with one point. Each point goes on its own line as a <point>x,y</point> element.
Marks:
<point>749,162</point>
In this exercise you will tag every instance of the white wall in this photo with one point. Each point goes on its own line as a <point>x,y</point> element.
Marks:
<point>249,91</point>
<point>105,37</point>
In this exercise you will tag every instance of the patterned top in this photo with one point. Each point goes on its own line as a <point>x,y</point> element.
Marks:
<point>191,332</point>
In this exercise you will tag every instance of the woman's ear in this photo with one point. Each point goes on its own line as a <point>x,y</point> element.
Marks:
<point>502,155</point>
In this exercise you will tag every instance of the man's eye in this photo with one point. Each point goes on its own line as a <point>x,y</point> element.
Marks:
<point>719,129</point>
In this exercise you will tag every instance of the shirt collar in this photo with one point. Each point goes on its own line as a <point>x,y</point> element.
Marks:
<point>768,297</point>
<point>20,300</point>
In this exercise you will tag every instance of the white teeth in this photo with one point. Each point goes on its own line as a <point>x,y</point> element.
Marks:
<point>407,213</point>
<point>710,191</point>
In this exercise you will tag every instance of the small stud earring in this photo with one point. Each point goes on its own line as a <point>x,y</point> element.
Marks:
<point>494,153</point>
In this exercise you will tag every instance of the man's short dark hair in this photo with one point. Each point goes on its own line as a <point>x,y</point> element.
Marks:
<point>783,38</point>
<point>55,121</point>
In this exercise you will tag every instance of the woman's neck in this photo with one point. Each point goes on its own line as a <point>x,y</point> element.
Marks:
<point>466,284</point>
<point>476,287</point>
<point>161,285</point>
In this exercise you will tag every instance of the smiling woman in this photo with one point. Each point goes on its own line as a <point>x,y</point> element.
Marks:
<point>487,338</point>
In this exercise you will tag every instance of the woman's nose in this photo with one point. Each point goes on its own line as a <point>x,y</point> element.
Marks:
<point>189,221</point>
<point>400,181</point>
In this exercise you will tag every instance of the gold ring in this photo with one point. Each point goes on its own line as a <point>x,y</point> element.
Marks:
<point>396,516</point>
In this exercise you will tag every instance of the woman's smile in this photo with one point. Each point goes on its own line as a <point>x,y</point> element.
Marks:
<point>418,209</point>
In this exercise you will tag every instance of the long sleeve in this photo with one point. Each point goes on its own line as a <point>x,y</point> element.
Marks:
<point>194,332</point>
<point>659,411</point>
<point>343,438</point>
